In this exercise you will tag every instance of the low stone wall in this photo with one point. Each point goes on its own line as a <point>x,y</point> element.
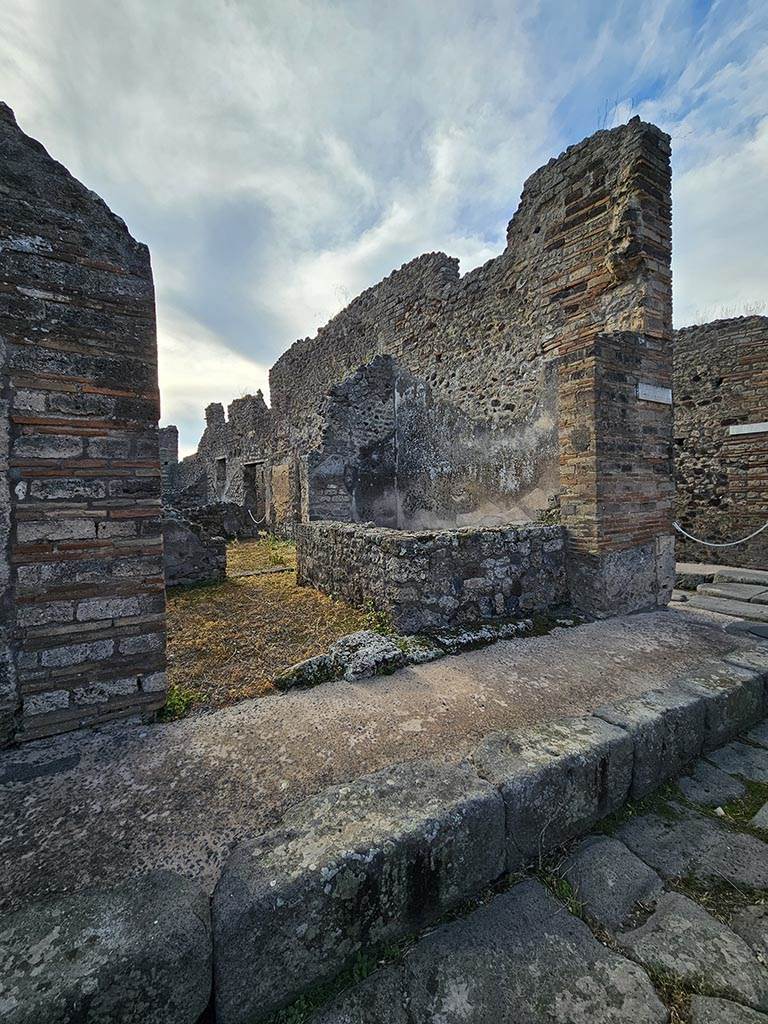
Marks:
<point>190,554</point>
<point>223,519</point>
<point>427,581</point>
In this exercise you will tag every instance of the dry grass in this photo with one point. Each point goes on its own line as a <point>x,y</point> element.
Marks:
<point>226,642</point>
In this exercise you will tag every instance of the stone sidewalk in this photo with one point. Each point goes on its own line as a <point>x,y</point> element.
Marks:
<point>99,807</point>
<point>660,916</point>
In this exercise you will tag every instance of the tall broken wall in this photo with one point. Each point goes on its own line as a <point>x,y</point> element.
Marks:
<point>721,439</point>
<point>82,638</point>
<point>553,337</point>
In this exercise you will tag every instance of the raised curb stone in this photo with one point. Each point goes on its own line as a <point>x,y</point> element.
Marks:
<point>610,880</point>
<point>722,1011</point>
<point>366,653</point>
<point>667,730</point>
<point>357,866</point>
<point>557,780</point>
<point>522,959</point>
<point>682,938</point>
<point>709,786</point>
<point>690,844</point>
<point>734,700</point>
<point>138,952</point>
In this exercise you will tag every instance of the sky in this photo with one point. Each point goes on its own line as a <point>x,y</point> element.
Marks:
<point>279,156</point>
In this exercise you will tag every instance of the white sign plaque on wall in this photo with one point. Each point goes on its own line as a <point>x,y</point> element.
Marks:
<point>652,393</point>
<point>748,428</point>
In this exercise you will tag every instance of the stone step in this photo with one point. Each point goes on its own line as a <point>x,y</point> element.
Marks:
<point>723,606</point>
<point>751,592</point>
<point>728,575</point>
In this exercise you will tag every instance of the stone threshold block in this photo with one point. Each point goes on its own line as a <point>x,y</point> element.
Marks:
<point>358,866</point>
<point>557,780</point>
<point>135,953</point>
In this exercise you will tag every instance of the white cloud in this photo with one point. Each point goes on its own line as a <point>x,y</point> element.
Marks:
<point>280,157</point>
<point>196,369</point>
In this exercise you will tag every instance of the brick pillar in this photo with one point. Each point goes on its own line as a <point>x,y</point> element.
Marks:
<point>83,604</point>
<point>614,361</point>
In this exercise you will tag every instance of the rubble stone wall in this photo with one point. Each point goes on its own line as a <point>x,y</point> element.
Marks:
<point>433,580</point>
<point>84,604</point>
<point>191,555</point>
<point>721,381</point>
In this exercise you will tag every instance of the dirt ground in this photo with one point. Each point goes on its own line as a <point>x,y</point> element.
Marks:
<point>227,641</point>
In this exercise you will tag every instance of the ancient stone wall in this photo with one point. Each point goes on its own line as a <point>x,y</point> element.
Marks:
<point>83,606</point>
<point>721,439</point>
<point>426,580</point>
<point>168,441</point>
<point>191,555</point>
<point>541,377</point>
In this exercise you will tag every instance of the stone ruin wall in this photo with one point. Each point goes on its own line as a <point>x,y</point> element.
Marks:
<point>429,581</point>
<point>721,381</point>
<point>517,383</point>
<point>83,606</point>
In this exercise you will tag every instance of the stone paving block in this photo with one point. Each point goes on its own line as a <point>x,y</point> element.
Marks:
<point>138,952</point>
<point>753,629</point>
<point>610,880</point>
<point>729,606</point>
<point>710,786</point>
<point>751,924</point>
<point>523,959</point>
<point>380,999</point>
<point>734,700</point>
<point>758,734</point>
<point>736,591</point>
<point>690,844</point>
<point>723,1011</point>
<point>357,866</point>
<point>742,759</point>
<point>755,576</point>
<point>760,820</point>
<point>557,780</point>
<point>683,939</point>
<point>667,729</point>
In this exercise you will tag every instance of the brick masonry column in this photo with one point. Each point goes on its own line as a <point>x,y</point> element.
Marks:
<point>81,575</point>
<point>616,472</point>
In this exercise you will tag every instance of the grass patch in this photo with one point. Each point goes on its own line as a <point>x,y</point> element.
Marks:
<point>744,808</point>
<point>228,641</point>
<point>178,702</point>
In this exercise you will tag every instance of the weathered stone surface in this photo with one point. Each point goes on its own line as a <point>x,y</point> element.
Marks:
<point>751,924</point>
<point>356,866</point>
<point>689,844</point>
<point>722,1011</point>
<point>366,653</point>
<point>709,786</point>
<point>667,731</point>
<point>557,780</point>
<point>310,672</point>
<point>686,941</point>
<point>758,734</point>
<point>380,999</point>
<point>610,880</point>
<point>523,959</point>
<point>734,699</point>
<point>79,460</point>
<point>190,555</point>
<point>751,592</point>
<point>434,581</point>
<point>729,606</point>
<point>742,759</point>
<point>135,953</point>
<point>720,373</point>
<point>760,820</point>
